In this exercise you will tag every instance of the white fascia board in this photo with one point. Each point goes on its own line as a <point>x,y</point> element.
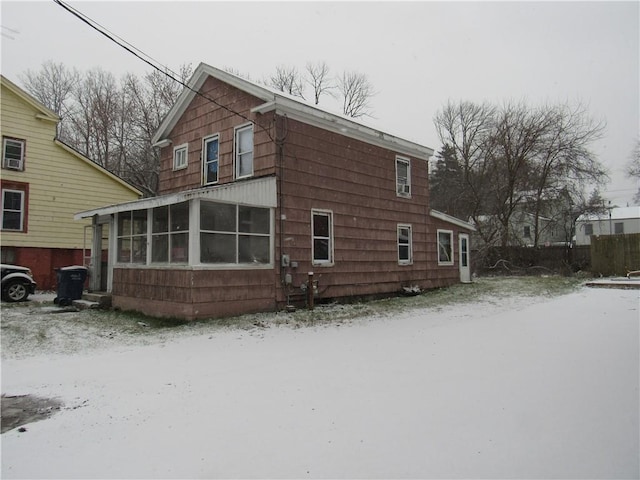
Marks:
<point>256,192</point>
<point>343,126</point>
<point>449,219</point>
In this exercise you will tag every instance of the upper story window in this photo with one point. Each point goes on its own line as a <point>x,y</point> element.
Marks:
<point>13,153</point>
<point>210,159</point>
<point>243,148</point>
<point>405,245</point>
<point>403,177</point>
<point>588,228</point>
<point>13,210</point>
<point>445,247</point>
<point>180,154</point>
<point>322,237</point>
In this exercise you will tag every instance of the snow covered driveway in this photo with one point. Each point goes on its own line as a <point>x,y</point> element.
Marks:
<point>529,387</point>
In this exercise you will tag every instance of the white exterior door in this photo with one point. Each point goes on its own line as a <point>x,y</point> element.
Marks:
<point>465,269</point>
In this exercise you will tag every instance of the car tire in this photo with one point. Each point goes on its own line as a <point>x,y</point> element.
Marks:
<point>15,291</point>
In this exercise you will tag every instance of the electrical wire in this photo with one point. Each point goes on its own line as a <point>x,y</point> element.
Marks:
<point>149,60</point>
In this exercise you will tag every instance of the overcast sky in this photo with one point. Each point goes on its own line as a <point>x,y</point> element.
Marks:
<point>418,55</point>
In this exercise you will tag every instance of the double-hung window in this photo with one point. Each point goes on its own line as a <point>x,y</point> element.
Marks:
<point>403,177</point>
<point>405,245</point>
<point>243,148</point>
<point>13,153</point>
<point>234,234</point>
<point>322,237</point>
<point>445,247</point>
<point>132,237</point>
<point>180,156</point>
<point>13,210</point>
<point>210,159</point>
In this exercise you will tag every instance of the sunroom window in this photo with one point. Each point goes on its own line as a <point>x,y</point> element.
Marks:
<point>132,236</point>
<point>234,234</point>
<point>170,234</point>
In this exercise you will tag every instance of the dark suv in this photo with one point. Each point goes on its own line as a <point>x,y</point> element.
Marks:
<point>17,283</point>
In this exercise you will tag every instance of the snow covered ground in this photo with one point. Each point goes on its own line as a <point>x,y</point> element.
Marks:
<point>510,386</point>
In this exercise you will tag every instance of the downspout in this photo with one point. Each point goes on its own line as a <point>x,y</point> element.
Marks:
<point>281,136</point>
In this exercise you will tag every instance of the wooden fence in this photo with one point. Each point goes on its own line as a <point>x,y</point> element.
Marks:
<point>615,254</point>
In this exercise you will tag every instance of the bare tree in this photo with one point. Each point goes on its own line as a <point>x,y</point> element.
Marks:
<point>53,86</point>
<point>288,80</point>
<point>356,92</point>
<point>318,78</point>
<point>633,168</point>
<point>516,157</point>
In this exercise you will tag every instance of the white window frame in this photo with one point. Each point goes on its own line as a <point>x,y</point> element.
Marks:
<point>452,256</point>
<point>405,261</point>
<point>237,154</point>
<point>21,211</point>
<point>6,161</point>
<point>205,162</point>
<point>403,189</point>
<point>179,164</point>
<point>322,262</point>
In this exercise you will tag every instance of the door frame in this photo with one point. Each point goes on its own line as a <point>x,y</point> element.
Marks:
<point>464,260</point>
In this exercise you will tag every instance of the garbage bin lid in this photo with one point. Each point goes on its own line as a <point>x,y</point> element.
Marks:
<point>74,267</point>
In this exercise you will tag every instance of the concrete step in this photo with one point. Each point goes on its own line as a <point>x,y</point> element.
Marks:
<point>102,299</point>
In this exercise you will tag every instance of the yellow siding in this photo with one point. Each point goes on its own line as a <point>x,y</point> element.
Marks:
<point>60,183</point>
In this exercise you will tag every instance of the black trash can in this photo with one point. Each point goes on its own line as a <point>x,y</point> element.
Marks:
<point>70,284</point>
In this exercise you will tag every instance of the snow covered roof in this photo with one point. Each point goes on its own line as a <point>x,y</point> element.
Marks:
<point>282,103</point>
<point>617,213</point>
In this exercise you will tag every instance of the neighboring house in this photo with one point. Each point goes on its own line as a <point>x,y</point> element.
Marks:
<point>257,190</point>
<point>44,182</point>
<point>552,228</point>
<point>615,221</point>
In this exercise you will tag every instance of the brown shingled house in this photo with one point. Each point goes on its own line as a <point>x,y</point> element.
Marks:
<point>257,189</point>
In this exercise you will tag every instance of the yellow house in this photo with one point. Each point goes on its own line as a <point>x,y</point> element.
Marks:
<point>44,183</point>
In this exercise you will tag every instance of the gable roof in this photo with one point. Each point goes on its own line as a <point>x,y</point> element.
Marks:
<point>281,103</point>
<point>44,113</point>
<point>47,114</point>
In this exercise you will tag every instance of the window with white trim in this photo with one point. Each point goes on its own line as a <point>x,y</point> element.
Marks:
<point>180,156</point>
<point>322,237</point>
<point>405,245</point>
<point>170,233</point>
<point>132,237</point>
<point>403,177</point>
<point>210,159</point>
<point>13,210</point>
<point>243,151</point>
<point>445,247</point>
<point>234,234</point>
<point>13,153</point>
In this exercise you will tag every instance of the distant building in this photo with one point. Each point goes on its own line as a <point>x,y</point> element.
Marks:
<point>615,221</point>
